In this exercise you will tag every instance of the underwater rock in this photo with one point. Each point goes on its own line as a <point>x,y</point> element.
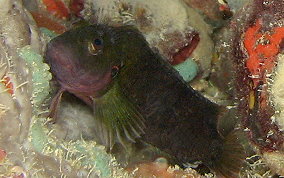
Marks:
<point>235,6</point>
<point>58,8</point>
<point>76,7</point>
<point>16,108</point>
<point>160,169</point>
<point>215,12</point>
<point>254,43</point>
<point>46,22</point>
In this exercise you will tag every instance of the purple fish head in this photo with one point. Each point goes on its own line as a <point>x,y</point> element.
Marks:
<point>83,60</point>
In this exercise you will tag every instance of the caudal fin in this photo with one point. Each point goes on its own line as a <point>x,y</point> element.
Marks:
<point>233,156</point>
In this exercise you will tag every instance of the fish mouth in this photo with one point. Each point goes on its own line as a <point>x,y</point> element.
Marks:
<point>70,73</point>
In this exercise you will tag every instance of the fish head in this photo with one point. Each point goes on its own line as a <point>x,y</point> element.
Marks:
<point>84,60</point>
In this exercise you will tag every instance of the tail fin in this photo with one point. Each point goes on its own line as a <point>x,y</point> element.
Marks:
<point>232,158</point>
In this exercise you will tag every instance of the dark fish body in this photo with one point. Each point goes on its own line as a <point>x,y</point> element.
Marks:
<point>136,94</point>
<point>178,119</point>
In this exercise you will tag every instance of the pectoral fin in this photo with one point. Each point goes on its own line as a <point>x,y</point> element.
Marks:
<point>117,119</point>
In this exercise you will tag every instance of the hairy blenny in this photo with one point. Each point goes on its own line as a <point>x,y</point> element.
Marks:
<point>134,94</point>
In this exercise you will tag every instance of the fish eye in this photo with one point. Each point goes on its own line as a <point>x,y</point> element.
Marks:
<point>92,49</point>
<point>98,42</point>
<point>114,71</point>
<point>95,46</point>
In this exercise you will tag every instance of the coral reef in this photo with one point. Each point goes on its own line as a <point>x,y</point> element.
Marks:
<point>253,42</point>
<point>181,30</point>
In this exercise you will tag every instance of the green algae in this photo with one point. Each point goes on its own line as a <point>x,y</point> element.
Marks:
<point>38,136</point>
<point>40,75</point>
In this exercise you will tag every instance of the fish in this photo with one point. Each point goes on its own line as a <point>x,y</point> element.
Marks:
<point>137,95</point>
